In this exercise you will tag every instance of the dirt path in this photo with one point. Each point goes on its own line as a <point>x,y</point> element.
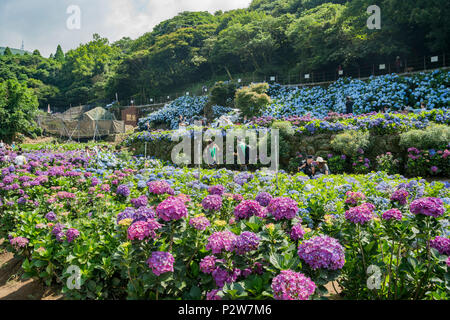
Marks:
<point>13,288</point>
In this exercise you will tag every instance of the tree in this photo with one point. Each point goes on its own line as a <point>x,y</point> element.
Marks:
<point>18,108</point>
<point>7,52</point>
<point>59,55</point>
<point>36,53</point>
<point>253,99</point>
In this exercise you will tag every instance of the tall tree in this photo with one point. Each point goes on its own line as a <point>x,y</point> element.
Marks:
<point>59,55</point>
<point>18,107</point>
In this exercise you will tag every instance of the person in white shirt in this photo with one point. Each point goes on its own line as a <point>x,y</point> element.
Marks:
<point>20,159</point>
<point>2,144</point>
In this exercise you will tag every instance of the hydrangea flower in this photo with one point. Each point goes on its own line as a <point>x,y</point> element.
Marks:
<point>160,187</point>
<point>171,209</point>
<point>221,240</point>
<point>246,242</point>
<point>427,206</point>
<point>297,232</point>
<point>216,190</point>
<point>72,234</point>
<point>212,202</point>
<point>392,214</point>
<point>360,214</point>
<point>263,198</point>
<point>400,196</point>
<point>58,232</point>
<point>208,264</point>
<point>353,198</point>
<point>248,208</point>
<point>51,216</point>
<point>283,208</point>
<point>19,242</point>
<point>200,223</point>
<point>161,262</point>
<point>441,244</point>
<point>141,230</point>
<point>212,295</point>
<point>123,190</point>
<point>141,201</point>
<point>322,252</point>
<point>290,285</point>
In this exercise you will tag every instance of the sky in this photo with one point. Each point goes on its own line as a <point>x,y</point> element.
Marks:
<point>43,24</point>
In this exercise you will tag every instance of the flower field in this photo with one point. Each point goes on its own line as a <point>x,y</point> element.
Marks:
<point>137,229</point>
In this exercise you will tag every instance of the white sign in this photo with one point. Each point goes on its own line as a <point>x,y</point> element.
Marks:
<point>434,59</point>
<point>382,66</point>
<point>341,72</point>
<point>239,80</point>
<point>272,78</point>
<point>307,76</point>
<point>187,93</point>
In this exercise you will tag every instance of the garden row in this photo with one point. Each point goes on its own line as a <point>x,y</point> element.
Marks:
<point>372,95</point>
<point>412,144</point>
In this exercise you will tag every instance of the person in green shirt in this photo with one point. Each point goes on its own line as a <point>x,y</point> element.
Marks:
<point>212,151</point>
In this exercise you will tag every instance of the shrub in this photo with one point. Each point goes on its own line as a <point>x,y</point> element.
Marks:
<point>222,93</point>
<point>434,136</point>
<point>252,100</point>
<point>349,142</point>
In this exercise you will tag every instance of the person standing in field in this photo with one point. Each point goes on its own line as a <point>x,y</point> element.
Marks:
<point>212,151</point>
<point>349,105</point>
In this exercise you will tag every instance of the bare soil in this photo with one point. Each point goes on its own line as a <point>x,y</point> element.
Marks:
<point>13,288</point>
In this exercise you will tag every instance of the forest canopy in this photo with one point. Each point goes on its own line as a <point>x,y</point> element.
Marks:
<point>270,36</point>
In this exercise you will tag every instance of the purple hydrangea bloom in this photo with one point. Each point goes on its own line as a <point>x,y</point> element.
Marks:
<point>246,242</point>
<point>248,208</point>
<point>427,206</point>
<point>220,276</point>
<point>128,213</point>
<point>322,252</point>
<point>263,198</point>
<point>212,202</point>
<point>123,190</point>
<point>360,214</point>
<point>400,196</point>
<point>160,187</point>
<point>141,201</point>
<point>208,264</point>
<point>290,285</point>
<point>19,242</point>
<point>143,214</point>
<point>221,240</point>
<point>72,234</point>
<point>58,232</point>
<point>212,295</point>
<point>392,214</point>
<point>216,190</point>
<point>141,230</point>
<point>171,209</point>
<point>441,244</point>
<point>199,223</point>
<point>161,262</point>
<point>283,208</point>
<point>297,232</point>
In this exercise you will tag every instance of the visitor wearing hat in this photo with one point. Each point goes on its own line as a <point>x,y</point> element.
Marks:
<point>322,167</point>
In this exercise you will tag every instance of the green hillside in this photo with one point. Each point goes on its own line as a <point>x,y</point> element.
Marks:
<point>14,51</point>
<point>271,37</point>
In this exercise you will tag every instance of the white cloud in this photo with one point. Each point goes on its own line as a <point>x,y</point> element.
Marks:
<point>42,24</point>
